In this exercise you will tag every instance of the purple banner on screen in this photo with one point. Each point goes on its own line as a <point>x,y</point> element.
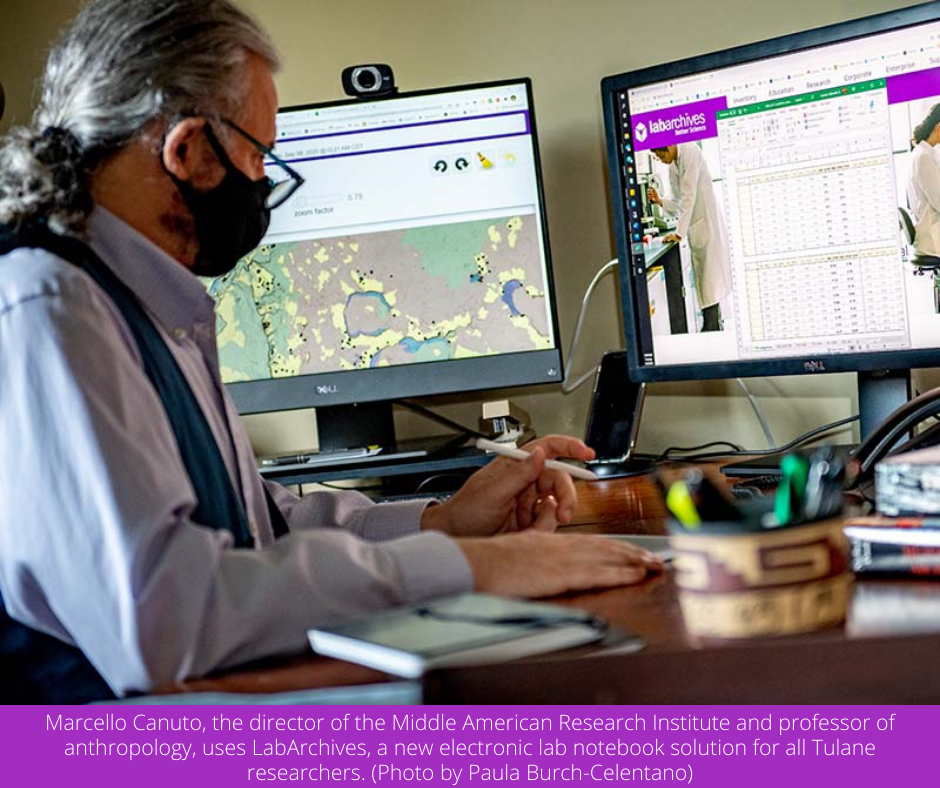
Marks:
<point>672,125</point>
<point>913,86</point>
<point>723,746</point>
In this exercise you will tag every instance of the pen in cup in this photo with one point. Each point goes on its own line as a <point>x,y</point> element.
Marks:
<point>694,501</point>
<point>791,493</point>
<point>824,484</point>
<point>710,502</point>
<point>679,502</point>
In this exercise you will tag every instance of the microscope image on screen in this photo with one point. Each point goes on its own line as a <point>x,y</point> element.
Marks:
<point>464,289</point>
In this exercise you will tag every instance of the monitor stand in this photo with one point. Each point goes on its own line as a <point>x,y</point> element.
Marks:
<point>354,426</point>
<point>879,395</point>
<point>349,438</point>
<point>630,466</point>
<point>341,427</point>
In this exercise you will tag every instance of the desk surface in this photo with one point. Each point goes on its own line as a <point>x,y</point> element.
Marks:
<point>886,653</point>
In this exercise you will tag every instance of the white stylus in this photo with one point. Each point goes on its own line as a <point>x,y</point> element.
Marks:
<point>518,454</point>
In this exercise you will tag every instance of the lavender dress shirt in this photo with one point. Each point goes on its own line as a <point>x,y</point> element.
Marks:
<point>96,542</point>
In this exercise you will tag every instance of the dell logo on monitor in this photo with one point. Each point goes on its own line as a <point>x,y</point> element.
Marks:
<point>331,389</point>
<point>814,366</point>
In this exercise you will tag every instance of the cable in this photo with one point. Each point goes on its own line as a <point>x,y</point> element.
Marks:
<point>804,438</point>
<point>430,414</point>
<point>461,478</point>
<point>936,416</point>
<point>735,449</point>
<point>807,436</point>
<point>757,412</point>
<point>567,386</point>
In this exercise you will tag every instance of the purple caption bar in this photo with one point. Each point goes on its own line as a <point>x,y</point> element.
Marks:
<point>466,745</point>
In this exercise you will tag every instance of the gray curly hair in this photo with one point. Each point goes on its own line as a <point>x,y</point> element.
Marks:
<point>119,66</point>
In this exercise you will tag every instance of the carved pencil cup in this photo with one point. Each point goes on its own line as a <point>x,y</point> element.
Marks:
<point>743,581</point>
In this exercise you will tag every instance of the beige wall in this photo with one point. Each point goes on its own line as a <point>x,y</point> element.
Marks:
<point>566,47</point>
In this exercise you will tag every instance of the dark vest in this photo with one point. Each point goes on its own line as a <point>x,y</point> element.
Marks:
<point>38,668</point>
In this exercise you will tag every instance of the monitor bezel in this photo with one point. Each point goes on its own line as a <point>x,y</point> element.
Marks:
<point>429,378</point>
<point>736,56</point>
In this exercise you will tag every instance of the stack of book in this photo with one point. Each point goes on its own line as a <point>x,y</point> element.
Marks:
<point>904,536</point>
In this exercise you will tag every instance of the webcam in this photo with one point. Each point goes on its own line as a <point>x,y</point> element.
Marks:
<point>369,81</point>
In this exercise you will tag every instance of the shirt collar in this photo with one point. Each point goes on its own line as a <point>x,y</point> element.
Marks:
<point>165,287</point>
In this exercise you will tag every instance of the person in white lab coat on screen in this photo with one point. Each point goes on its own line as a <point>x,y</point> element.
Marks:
<point>923,191</point>
<point>699,221</point>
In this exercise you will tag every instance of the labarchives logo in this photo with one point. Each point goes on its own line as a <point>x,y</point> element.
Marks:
<point>640,132</point>
<point>679,124</point>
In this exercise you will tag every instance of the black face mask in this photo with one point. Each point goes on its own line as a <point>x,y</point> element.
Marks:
<point>230,219</point>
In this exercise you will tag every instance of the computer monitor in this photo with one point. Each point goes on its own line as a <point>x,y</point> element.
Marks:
<point>785,169</point>
<point>414,261</point>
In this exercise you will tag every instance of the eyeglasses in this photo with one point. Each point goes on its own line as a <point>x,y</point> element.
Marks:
<point>283,187</point>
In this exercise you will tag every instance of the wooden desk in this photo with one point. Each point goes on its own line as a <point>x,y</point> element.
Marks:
<point>888,651</point>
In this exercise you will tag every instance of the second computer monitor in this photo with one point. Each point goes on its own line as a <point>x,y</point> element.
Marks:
<point>778,205</point>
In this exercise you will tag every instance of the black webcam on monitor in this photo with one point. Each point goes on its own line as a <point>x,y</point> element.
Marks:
<point>369,81</point>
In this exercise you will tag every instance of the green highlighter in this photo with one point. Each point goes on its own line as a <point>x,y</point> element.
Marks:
<point>680,503</point>
<point>788,504</point>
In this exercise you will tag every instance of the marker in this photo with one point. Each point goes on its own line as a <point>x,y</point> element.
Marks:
<point>679,502</point>
<point>796,468</point>
<point>710,504</point>
<point>824,482</point>
<point>518,454</point>
<point>788,503</point>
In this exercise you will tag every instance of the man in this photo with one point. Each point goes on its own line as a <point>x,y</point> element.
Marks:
<point>151,550</point>
<point>699,221</point>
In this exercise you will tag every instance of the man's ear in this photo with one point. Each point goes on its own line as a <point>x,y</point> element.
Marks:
<point>187,154</point>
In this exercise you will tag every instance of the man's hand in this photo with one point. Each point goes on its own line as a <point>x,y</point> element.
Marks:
<point>671,237</point>
<point>513,495</point>
<point>653,196</point>
<point>535,564</point>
